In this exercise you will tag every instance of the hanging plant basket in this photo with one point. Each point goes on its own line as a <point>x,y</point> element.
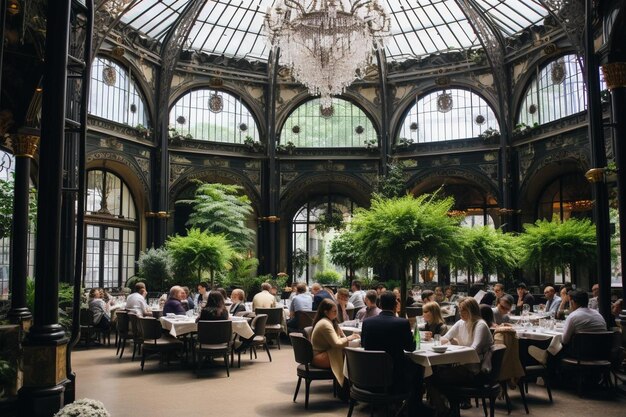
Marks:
<point>109,76</point>
<point>327,222</point>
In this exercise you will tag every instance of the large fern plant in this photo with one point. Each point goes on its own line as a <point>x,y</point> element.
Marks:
<point>555,244</point>
<point>222,209</point>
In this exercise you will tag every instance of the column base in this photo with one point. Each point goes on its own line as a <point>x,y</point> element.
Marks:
<point>40,401</point>
<point>22,317</point>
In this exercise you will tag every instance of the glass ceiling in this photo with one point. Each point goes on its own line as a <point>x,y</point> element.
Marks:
<point>418,27</point>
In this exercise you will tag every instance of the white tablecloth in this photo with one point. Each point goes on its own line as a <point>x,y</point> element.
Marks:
<point>180,325</point>
<point>543,334</point>
<point>455,354</point>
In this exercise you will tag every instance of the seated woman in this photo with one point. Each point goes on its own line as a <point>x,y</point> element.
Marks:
<point>439,295</point>
<point>215,308</point>
<point>434,321</point>
<point>487,314</point>
<point>100,309</point>
<point>470,331</point>
<point>238,297</point>
<point>328,340</point>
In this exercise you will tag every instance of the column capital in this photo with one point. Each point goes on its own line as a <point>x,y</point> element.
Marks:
<point>614,75</point>
<point>24,145</point>
<point>595,175</point>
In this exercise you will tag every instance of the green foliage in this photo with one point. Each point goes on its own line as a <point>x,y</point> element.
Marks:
<point>328,221</point>
<point>241,271</point>
<point>392,185</point>
<point>154,268</point>
<point>7,372</point>
<point>327,277</point>
<point>555,244</point>
<point>343,252</point>
<point>300,260</point>
<point>197,253</point>
<point>221,209</point>
<point>6,206</point>
<point>487,250</point>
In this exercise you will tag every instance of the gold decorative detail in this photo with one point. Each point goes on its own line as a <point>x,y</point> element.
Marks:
<point>44,365</point>
<point>162,215</point>
<point>582,205</point>
<point>13,7</point>
<point>25,145</point>
<point>614,75</point>
<point>216,82</point>
<point>150,214</point>
<point>595,175</point>
<point>457,213</point>
<point>271,219</point>
<point>117,51</point>
<point>442,81</point>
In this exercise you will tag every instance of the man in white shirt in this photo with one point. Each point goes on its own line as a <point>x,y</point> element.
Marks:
<point>358,295</point>
<point>137,300</point>
<point>264,299</point>
<point>553,301</point>
<point>595,292</point>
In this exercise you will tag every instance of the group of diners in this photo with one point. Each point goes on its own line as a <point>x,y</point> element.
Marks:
<point>383,330</point>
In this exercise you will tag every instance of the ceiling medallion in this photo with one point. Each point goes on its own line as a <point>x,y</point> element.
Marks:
<point>444,102</point>
<point>359,129</point>
<point>243,127</point>
<point>181,120</point>
<point>558,72</point>
<point>216,103</point>
<point>327,111</point>
<point>328,43</point>
<point>480,120</point>
<point>532,109</point>
<point>414,126</point>
<point>109,76</point>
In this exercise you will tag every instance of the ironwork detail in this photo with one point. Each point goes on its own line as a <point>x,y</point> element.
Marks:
<point>444,102</point>
<point>571,16</point>
<point>216,103</point>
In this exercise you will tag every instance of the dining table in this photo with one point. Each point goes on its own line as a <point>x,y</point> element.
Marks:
<point>181,325</point>
<point>426,357</point>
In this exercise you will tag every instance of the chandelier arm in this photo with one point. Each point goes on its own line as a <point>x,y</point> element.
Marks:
<point>358,4</point>
<point>294,4</point>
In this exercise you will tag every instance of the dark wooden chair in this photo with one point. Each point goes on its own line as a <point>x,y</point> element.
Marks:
<point>154,341</point>
<point>371,378</point>
<point>532,368</point>
<point>123,332</point>
<point>303,353</point>
<point>588,354</point>
<point>136,332</point>
<point>259,340</point>
<point>214,339</point>
<point>305,319</point>
<point>87,328</point>
<point>273,327</point>
<point>413,312</point>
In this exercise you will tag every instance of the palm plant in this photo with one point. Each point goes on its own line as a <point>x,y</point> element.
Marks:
<point>199,252</point>
<point>556,244</point>
<point>221,209</point>
<point>397,230</point>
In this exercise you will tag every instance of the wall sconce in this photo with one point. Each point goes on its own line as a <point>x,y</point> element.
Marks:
<point>13,7</point>
<point>271,219</point>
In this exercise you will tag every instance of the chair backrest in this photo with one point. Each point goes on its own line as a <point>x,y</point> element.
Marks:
<point>150,328</point>
<point>414,311</point>
<point>369,368</point>
<point>212,332</point>
<point>591,346</point>
<point>351,312</point>
<point>308,331</point>
<point>305,318</point>
<point>497,357</point>
<point>134,326</point>
<point>86,317</point>
<point>258,324</point>
<point>274,315</point>
<point>302,348</point>
<point>123,324</point>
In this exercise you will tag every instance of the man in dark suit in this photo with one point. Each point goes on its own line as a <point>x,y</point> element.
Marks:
<point>393,335</point>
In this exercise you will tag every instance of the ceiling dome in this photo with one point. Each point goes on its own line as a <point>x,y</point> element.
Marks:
<point>234,28</point>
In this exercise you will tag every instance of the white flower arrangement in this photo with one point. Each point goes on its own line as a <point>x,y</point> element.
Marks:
<point>84,407</point>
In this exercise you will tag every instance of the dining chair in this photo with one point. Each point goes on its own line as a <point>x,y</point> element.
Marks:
<point>371,379</point>
<point>305,318</point>
<point>154,341</point>
<point>308,332</point>
<point>273,327</point>
<point>303,353</point>
<point>87,327</point>
<point>214,338</point>
<point>123,332</point>
<point>413,312</point>
<point>136,331</point>
<point>484,386</point>
<point>351,312</point>
<point>258,340</point>
<point>532,368</point>
<point>589,353</point>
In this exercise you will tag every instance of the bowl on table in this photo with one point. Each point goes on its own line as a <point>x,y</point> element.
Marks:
<point>440,349</point>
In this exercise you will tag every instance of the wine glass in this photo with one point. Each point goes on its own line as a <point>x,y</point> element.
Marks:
<point>526,309</point>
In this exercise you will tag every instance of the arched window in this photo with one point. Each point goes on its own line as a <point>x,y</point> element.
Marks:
<point>447,115</point>
<point>313,229</point>
<point>557,91</point>
<point>112,230</point>
<point>213,115</point>
<point>115,96</point>
<point>342,125</point>
<point>567,196</point>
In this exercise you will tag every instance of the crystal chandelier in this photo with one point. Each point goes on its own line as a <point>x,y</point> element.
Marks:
<point>327,43</point>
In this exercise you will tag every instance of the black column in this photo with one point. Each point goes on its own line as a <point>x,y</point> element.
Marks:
<point>615,77</point>
<point>270,221</point>
<point>45,345</point>
<point>24,147</point>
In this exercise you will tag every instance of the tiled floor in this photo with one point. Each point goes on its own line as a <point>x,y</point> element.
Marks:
<point>261,388</point>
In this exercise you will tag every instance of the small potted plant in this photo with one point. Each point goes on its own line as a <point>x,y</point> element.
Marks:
<point>371,144</point>
<point>489,134</point>
<point>85,408</point>
<point>252,144</point>
<point>177,136</point>
<point>404,143</point>
<point>143,132</point>
<point>288,147</point>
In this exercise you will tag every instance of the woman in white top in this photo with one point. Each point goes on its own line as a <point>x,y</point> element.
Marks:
<point>470,331</point>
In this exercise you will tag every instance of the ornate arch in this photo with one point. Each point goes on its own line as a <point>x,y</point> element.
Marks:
<point>423,180</point>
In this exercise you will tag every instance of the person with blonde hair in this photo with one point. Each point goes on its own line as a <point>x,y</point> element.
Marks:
<point>434,320</point>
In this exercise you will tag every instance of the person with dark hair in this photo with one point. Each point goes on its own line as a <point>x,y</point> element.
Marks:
<point>203,294</point>
<point>487,314</point>
<point>428,296</point>
<point>319,294</point>
<point>137,300</point>
<point>343,295</point>
<point>393,335</point>
<point>358,295</point>
<point>564,308</point>
<point>439,296</point>
<point>187,300</point>
<point>223,292</point>
<point>264,299</point>
<point>215,308</point>
<point>502,310</point>
<point>524,297</point>
<point>450,295</point>
<point>498,290</point>
<point>370,309</point>
<point>380,288</point>
<point>328,340</point>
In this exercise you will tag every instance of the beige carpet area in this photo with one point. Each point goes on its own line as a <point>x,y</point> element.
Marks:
<point>261,388</point>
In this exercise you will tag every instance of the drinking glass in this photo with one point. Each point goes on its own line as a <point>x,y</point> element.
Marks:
<point>357,323</point>
<point>437,340</point>
<point>526,308</point>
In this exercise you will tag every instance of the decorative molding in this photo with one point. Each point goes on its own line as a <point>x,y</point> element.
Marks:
<point>488,184</point>
<point>614,75</point>
<point>103,155</point>
<point>24,145</point>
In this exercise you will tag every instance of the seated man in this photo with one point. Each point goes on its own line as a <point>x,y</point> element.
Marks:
<point>264,299</point>
<point>137,300</point>
<point>595,293</point>
<point>100,309</point>
<point>553,301</point>
<point>357,295</point>
<point>301,302</point>
<point>502,310</point>
<point>428,296</point>
<point>370,309</point>
<point>524,297</point>
<point>174,301</point>
<point>319,294</point>
<point>580,319</point>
